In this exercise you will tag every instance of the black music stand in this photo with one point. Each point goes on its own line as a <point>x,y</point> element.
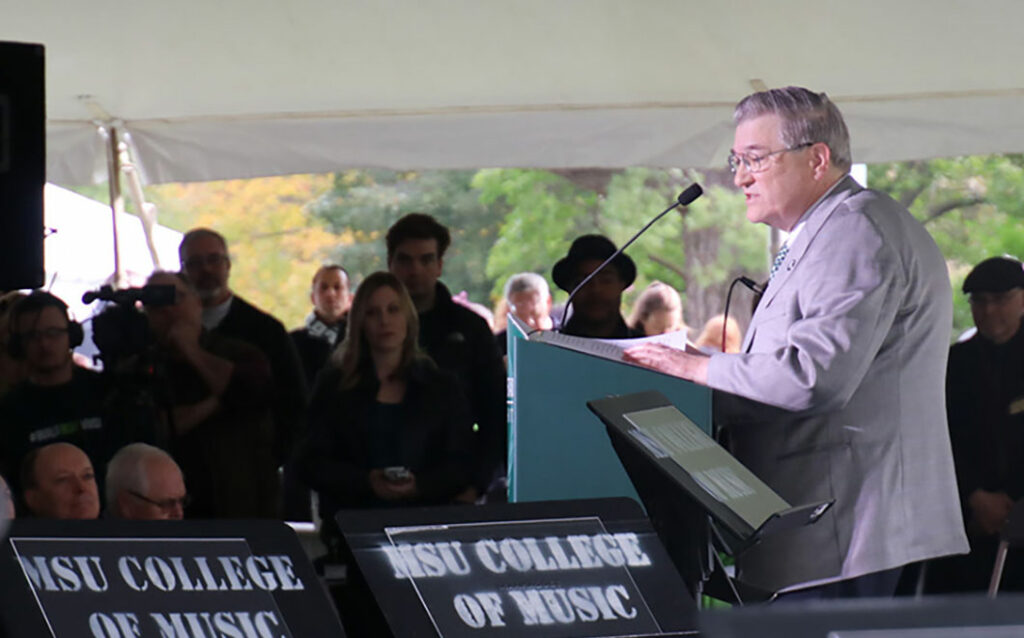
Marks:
<point>678,470</point>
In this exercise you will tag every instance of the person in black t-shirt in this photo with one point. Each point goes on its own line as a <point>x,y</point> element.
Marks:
<point>57,401</point>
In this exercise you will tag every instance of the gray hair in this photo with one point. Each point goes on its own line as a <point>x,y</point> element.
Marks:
<point>127,470</point>
<point>807,118</point>
<point>526,282</point>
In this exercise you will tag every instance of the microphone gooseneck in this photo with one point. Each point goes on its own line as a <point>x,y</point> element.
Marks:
<point>754,287</point>
<point>685,198</point>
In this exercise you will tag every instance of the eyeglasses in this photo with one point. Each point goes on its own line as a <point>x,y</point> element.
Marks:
<point>758,163</point>
<point>166,504</point>
<point>213,259</point>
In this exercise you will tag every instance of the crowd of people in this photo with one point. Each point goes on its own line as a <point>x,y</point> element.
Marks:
<point>254,419</point>
<point>396,394</point>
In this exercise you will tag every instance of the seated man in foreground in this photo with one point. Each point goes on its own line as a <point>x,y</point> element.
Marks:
<point>58,482</point>
<point>145,484</point>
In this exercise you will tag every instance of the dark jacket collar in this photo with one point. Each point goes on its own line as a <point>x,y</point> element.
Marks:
<point>621,331</point>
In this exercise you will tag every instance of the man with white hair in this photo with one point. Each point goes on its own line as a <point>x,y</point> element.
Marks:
<point>837,391</point>
<point>145,484</point>
<point>529,299</point>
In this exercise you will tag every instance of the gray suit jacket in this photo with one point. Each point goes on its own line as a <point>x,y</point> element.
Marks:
<point>848,350</point>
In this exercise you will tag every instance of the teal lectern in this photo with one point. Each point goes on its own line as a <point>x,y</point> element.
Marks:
<point>557,448</point>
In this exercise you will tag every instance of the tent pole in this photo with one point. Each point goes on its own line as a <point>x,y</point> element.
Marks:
<point>147,212</point>
<point>116,200</point>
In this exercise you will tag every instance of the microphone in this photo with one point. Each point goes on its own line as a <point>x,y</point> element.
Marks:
<point>685,199</point>
<point>751,285</point>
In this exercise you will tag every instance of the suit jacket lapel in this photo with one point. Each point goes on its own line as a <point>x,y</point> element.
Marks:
<point>816,218</point>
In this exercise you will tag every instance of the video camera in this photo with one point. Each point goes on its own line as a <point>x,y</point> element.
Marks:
<point>153,295</point>
<point>121,330</point>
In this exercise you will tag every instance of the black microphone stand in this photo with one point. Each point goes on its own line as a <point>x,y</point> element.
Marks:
<point>685,198</point>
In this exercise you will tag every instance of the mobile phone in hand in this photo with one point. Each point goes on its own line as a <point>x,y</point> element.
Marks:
<point>397,473</point>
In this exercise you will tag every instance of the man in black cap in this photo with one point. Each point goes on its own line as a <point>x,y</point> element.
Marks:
<point>596,309</point>
<point>985,406</point>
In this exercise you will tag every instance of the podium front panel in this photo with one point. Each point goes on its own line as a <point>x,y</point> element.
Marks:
<point>557,448</point>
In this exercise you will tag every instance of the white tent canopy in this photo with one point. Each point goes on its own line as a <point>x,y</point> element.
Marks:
<point>237,88</point>
<point>79,247</point>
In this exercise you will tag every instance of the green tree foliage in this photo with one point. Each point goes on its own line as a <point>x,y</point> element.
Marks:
<point>364,204</point>
<point>505,221</point>
<point>697,251</point>
<point>539,211</point>
<point>971,205</point>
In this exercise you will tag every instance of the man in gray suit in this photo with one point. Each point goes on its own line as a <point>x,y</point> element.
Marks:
<point>838,390</point>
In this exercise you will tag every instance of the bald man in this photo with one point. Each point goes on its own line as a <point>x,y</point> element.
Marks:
<point>58,482</point>
<point>145,484</point>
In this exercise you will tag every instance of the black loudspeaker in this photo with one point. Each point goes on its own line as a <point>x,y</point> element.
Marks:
<point>22,165</point>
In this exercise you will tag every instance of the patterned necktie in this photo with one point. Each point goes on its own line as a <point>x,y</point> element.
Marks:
<point>779,258</point>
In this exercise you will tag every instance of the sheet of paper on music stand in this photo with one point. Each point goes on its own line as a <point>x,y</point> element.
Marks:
<point>668,433</point>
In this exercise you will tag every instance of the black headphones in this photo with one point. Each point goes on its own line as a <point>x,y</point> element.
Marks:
<point>35,302</point>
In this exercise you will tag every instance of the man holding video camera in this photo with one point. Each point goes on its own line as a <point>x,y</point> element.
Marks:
<point>218,395</point>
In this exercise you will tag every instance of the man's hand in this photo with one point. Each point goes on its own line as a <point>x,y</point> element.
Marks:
<point>693,367</point>
<point>183,337</point>
<point>989,510</point>
<point>389,490</point>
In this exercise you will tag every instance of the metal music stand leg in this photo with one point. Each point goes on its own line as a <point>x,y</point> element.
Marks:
<point>997,569</point>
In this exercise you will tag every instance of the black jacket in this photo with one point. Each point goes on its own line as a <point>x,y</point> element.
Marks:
<point>434,441</point>
<point>622,330</point>
<point>460,341</point>
<point>314,351</point>
<point>250,324</point>
<point>985,408</point>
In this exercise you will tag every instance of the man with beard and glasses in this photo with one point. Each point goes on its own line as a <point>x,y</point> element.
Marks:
<point>206,263</point>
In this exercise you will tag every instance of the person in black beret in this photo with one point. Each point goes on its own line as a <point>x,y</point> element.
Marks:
<point>985,406</point>
<point>597,308</point>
